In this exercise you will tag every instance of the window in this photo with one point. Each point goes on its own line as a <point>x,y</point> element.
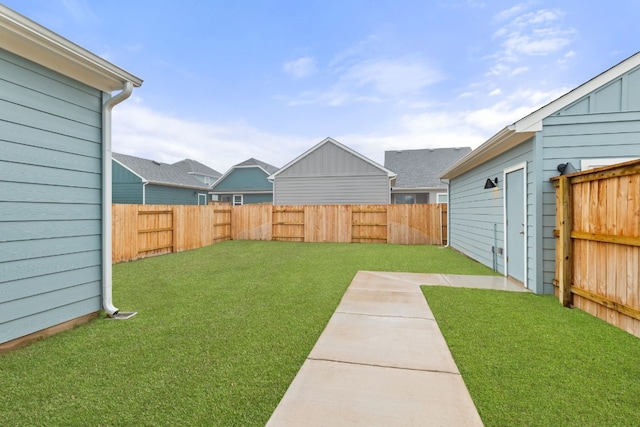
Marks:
<point>225,198</point>
<point>408,199</point>
<point>442,198</point>
<point>237,199</point>
<point>207,180</point>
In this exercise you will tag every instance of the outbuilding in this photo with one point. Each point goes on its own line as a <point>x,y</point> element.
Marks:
<point>501,202</point>
<point>55,180</point>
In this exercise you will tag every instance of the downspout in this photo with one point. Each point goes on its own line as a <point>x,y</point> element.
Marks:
<point>448,213</point>
<point>107,301</point>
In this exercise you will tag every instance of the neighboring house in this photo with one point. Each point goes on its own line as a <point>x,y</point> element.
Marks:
<point>55,183</point>
<point>245,183</point>
<point>147,182</point>
<point>331,173</point>
<point>419,173</point>
<point>202,173</point>
<point>501,202</point>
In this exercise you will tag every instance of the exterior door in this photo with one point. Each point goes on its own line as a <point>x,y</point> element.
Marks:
<point>515,223</point>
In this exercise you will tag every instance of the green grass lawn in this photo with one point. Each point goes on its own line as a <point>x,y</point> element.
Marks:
<point>529,362</point>
<point>220,334</point>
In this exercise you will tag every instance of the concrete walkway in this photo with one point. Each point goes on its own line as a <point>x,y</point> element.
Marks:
<point>382,360</point>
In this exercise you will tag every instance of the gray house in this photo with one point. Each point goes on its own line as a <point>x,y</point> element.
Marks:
<point>55,180</point>
<point>202,173</point>
<point>419,171</point>
<point>501,202</point>
<point>147,182</point>
<point>245,183</point>
<point>331,173</point>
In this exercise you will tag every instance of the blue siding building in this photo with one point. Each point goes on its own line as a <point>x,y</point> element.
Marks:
<point>55,209</point>
<point>245,183</point>
<point>501,202</point>
<point>147,182</point>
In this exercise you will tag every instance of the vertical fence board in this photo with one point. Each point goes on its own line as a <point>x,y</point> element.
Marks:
<point>145,230</point>
<point>605,240</point>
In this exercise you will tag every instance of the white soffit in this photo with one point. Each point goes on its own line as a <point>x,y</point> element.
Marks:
<point>25,38</point>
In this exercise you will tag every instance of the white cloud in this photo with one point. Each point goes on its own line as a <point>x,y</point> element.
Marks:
<point>371,81</point>
<point>301,67</point>
<point>143,132</point>
<point>540,32</point>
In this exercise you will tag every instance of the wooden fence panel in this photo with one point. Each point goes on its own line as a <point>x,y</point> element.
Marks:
<point>415,224</point>
<point>327,223</point>
<point>604,239</point>
<point>145,230</point>
<point>369,224</point>
<point>155,231</point>
<point>124,233</point>
<point>251,222</point>
<point>287,223</point>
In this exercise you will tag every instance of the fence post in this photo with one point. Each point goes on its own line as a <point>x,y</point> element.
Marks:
<point>565,214</point>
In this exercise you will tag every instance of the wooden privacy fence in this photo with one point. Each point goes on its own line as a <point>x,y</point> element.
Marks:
<point>598,243</point>
<point>144,230</point>
<point>400,224</point>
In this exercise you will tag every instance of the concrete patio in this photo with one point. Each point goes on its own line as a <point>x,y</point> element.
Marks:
<point>382,360</point>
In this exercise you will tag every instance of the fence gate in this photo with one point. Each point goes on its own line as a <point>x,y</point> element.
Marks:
<point>155,232</point>
<point>369,225</point>
<point>287,223</point>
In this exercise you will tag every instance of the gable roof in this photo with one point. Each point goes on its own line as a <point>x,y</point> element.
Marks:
<point>525,128</point>
<point>195,167</point>
<point>269,169</point>
<point>422,168</point>
<point>330,140</point>
<point>158,173</point>
<point>28,39</point>
<point>249,163</point>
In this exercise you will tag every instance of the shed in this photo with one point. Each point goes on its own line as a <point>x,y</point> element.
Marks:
<point>148,182</point>
<point>419,171</point>
<point>55,180</point>
<point>331,173</point>
<point>245,183</point>
<point>501,202</point>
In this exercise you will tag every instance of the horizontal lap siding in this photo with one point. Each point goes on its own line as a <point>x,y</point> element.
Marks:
<point>474,211</point>
<point>50,198</point>
<point>328,190</point>
<point>572,139</point>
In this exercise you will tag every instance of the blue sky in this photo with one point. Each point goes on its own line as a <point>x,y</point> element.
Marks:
<point>228,80</point>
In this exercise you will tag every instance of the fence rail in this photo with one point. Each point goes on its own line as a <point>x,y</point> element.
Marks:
<point>145,230</point>
<point>598,243</point>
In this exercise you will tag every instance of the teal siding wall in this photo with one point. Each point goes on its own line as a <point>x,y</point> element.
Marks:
<point>163,195</point>
<point>50,198</point>
<point>474,210</point>
<point>573,139</point>
<point>603,124</point>
<point>126,186</point>
<point>243,179</point>
<point>257,198</point>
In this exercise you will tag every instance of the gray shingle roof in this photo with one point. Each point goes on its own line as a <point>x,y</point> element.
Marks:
<point>255,162</point>
<point>422,168</point>
<point>196,167</point>
<point>159,173</point>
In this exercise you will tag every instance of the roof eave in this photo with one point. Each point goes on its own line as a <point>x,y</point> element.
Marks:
<point>27,39</point>
<point>502,141</point>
